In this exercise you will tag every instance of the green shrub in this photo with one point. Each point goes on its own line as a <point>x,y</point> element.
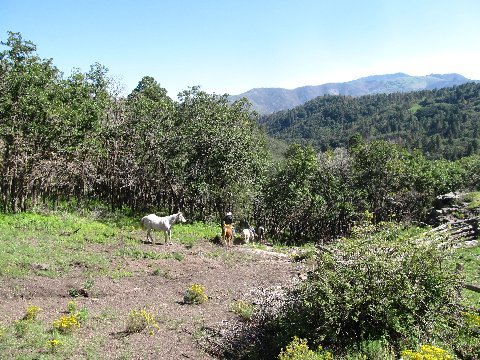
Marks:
<point>71,306</point>
<point>243,309</point>
<point>298,349</point>
<point>53,345</point>
<point>372,350</point>
<point>466,339</point>
<point>32,312</point>
<point>139,320</point>
<point>66,324</point>
<point>82,315</point>
<point>427,352</point>
<point>195,294</point>
<point>393,285</point>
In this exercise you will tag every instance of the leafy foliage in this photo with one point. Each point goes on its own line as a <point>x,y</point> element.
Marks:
<point>77,140</point>
<point>391,286</point>
<point>427,352</point>
<point>319,197</point>
<point>66,323</point>
<point>78,137</point>
<point>243,309</point>
<point>298,349</point>
<point>32,312</point>
<point>387,285</point>
<point>140,320</point>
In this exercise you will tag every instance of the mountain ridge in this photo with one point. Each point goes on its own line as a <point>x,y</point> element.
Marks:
<point>269,100</point>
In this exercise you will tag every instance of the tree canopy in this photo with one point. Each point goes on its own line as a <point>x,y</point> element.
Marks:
<point>77,138</point>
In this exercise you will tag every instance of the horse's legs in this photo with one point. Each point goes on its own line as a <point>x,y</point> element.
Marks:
<point>168,236</point>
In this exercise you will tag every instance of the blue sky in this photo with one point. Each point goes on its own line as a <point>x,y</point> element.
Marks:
<point>231,46</point>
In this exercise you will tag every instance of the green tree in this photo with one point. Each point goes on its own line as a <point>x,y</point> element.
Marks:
<point>48,126</point>
<point>381,170</point>
<point>29,88</point>
<point>134,148</point>
<point>470,172</point>
<point>289,197</point>
<point>219,153</point>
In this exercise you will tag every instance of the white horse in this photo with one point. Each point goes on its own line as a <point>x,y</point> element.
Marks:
<point>165,223</point>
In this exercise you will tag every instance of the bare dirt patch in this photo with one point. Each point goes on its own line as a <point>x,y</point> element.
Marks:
<point>158,285</point>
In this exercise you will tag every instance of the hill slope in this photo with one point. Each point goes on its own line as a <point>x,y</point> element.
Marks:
<point>269,100</point>
<point>443,123</point>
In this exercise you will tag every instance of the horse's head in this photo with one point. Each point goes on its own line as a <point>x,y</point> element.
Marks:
<point>181,218</point>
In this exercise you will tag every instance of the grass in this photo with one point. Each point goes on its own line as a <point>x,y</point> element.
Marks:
<point>469,258</point>
<point>135,252</point>
<point>57,244</point>
<point>50,245</point>
<point>53,244</point>
<point>34,339</point>
<point>473,199</point>
<point>189,234</point>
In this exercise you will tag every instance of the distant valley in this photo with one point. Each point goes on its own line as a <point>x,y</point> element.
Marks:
<point>270,100</point>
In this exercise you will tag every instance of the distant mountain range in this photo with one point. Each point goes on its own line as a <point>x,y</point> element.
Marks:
<point>270,100</point>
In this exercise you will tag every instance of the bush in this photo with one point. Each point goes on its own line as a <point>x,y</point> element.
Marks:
<point>66,324</point>
<point>393,285</point>
<point>470,171</point>
<point>195,294</point>
<point>466,340</point>
<point>298,349</point>
<point>372,350</point>
<point>427,352</point>
<point>139,320</point>
<point>243,309</point>
<point>32,312</point>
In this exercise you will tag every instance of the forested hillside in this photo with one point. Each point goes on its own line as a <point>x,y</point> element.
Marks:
<point>442,123</point>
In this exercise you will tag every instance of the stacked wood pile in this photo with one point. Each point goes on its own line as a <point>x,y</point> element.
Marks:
<point>452,217</point>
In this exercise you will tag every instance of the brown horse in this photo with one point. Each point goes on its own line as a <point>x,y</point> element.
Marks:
<point>227,235</point>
